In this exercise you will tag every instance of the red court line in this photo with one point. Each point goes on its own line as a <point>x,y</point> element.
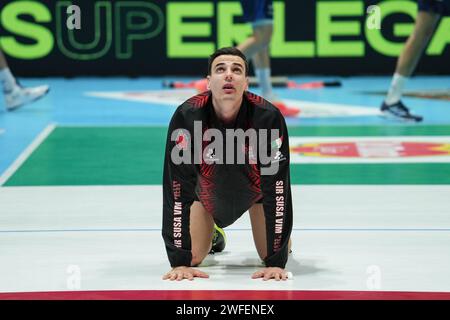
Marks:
<point>224,295</point>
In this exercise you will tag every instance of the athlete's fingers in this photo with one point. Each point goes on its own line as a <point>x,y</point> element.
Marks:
<point>200,274</point>
<point>188,275</point>
<point>168,275</point>
<point>257,274</point>
<point>271,273</point>
<point>173,276</point>
<point>179,276</point>
<point>268,275</point>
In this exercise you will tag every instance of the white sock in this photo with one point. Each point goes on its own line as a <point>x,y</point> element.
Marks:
<point>265,83</point>
<point>7,79</point>
<point>396,89</point>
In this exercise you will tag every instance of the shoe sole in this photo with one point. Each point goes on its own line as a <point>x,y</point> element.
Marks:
<point>392,117</point>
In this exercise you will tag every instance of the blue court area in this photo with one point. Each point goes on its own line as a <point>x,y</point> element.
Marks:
<point>144,101</point>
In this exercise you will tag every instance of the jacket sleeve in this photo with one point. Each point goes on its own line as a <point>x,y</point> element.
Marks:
<point>179,182</point>
<point>277,201</point>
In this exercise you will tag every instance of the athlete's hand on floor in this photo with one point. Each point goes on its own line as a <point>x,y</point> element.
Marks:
<point>271,273</point>
<point>180,273</point>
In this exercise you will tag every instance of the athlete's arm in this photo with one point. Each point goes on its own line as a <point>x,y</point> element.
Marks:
<point>277,201</point>
<point>178,195</point>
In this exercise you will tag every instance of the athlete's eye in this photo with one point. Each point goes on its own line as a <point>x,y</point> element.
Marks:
<point>237,70</point>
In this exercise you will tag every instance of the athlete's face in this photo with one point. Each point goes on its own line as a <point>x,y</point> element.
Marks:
<point>228,80</point>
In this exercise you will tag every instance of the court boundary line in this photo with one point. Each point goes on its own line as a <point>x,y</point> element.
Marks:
<point>184,295</point>
<point>233,230</point>
<point>26,153</point>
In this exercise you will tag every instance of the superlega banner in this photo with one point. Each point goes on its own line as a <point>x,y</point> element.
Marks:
<point>156,38</point>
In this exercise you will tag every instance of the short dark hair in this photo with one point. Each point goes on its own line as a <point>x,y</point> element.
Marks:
<point>232,51</point>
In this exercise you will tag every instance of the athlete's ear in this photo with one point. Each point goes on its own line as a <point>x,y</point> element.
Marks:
<point>247,80</point>
<point>208,80</point>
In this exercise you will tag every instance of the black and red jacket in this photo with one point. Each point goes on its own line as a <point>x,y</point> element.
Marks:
<point>227,189</point>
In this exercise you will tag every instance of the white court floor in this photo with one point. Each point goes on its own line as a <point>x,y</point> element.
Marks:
<point>358,238</point>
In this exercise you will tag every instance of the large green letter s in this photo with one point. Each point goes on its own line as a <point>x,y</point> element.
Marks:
<point>42,37</point>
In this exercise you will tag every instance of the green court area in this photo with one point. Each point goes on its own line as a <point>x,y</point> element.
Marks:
<point>134,156</point>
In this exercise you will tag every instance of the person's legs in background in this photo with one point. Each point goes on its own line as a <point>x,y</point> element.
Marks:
<point>256,48</point>
<point>425,25</point>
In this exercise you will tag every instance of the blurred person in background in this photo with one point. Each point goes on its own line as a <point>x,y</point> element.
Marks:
<point>428,16</point>
<point>14,94</point>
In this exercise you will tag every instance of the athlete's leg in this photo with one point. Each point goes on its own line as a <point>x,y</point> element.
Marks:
<point>261,61</point>
<point>259,40</point>
<point>423,30</point>
<point>6,77</point>
<point>412,51</point>
<point>256,48</point>
<point>15,96</point>
<point>406,64</point>
<point>201,230</point>
<point>3,63</point>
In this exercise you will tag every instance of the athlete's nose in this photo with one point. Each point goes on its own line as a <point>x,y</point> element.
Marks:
<point>228,74</point>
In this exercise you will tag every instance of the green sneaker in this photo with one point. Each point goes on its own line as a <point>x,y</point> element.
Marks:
<point>219,240</point>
